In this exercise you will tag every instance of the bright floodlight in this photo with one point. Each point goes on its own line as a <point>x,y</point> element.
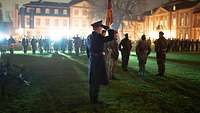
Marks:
<point>56,35</point>
<point>3,36</point>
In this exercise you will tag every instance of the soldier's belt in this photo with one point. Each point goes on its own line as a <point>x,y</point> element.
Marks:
<point>98,54</point>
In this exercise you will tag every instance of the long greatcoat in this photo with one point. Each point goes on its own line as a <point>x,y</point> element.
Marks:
<point>95,52</point>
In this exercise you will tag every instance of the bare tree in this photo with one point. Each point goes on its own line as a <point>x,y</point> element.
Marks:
<point>122,9</point>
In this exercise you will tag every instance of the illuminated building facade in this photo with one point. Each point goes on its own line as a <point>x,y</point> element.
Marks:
<point>177,19</point>
<point>133,28</point>
<point>54,20</point>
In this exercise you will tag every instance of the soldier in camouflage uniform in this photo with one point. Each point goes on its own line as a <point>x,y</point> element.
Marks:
<point>142,52</point>
<point>161,50</point>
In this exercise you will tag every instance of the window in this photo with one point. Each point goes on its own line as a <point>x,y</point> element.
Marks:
<point>182,21</point>
<point>47,11</point>
<point>28,10</point>
<point>166,24</point>
<point>198,22</point>
<point>64,11</point>
<point>65,22</point>
<point>76,12</point>
<point>27,21</point>
<point>38,22</point>
<point>152,25</point>
<point>161,22</point>
<point>186,20</point>
<point>56,11</point>
<point>84,12</point>
<point>7,14</point>
<point>47,22</point>
<point>181,36</point>
<point>38,10</point>
<point>56,22</point>
<point>186,36</point>
<point>174,22</point>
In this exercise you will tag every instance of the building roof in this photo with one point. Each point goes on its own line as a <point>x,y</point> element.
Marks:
<point>147,13</point>
<point>180,4</point>
<point>51,4</point>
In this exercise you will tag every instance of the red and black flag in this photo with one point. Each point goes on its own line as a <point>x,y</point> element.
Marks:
<point>109,16</point>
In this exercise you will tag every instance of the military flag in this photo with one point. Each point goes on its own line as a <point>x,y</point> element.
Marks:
<point>109,16</point>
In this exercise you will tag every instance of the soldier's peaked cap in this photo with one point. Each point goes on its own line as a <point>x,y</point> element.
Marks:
<point>97,24</point>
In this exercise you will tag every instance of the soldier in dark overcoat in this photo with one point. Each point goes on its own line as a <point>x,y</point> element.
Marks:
<point>97,69</point>
<point>34,45</point>
<point>25,44</point>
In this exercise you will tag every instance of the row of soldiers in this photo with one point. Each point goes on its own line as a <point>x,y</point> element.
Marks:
<point>46,45</point>
<point>183,45</point>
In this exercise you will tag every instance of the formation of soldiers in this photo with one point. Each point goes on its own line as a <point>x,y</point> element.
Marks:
<point>45,45</point>
<point>183,45</point>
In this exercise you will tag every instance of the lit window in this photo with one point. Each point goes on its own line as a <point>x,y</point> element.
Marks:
<point>64,11</point>
<point>38,10</point>
<point>174,22</point>
<point>181,36</point>
<point>166,23</point>
<point>47,11</point>
<point>76,12</point>
<point>186,36</point>
<point>186,20</point>
<point>198,22</point>
<point>56,11</point>
<point>38,22</point>
<point>182,21</point>
<point>47,22</point>
<point>152,25</point>
<point>161,22</point>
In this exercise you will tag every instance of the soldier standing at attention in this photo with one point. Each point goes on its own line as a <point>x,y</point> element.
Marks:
<point>25,44</point>
<point>142,52</point>
<point>115,53</point>
<point>40,45</point>
<point>11,44</point>
<point>197,45</point>
<point>97,69</point>
<point>77,44</point>
<point>161,49</point>
<point>34,45</point>
<point>125,48</point>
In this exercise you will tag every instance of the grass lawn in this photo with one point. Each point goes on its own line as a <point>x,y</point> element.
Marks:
<point>59,84</point>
